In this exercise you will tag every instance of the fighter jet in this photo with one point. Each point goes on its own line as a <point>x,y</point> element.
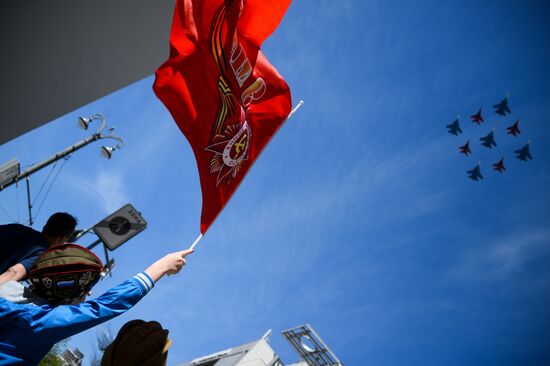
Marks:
<point>454,127</point>
<point>499,166</point>
<point>514,129</point>
<point>475,173</point>
<point>524,154</point>
<point>465,149</point>
<point>477,118</point>
<point>502,107</point>
<point>489,140</point>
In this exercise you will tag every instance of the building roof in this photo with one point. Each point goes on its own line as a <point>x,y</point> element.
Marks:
<point>60,55</point>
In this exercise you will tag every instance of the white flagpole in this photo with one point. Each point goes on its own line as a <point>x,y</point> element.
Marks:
<point>300,103</point>
<point>192,247</point>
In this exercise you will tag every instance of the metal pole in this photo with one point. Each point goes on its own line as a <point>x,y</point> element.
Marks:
<point>106,253</point>
<point>29,205</point>
<point>82,233</point>
<point>53,159</point>
<point>94,244</point>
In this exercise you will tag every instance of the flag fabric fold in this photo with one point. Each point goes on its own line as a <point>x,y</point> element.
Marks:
<point>224,95</point>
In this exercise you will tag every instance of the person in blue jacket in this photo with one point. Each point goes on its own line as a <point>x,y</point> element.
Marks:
<point>29,331</point>
<point>21,245</point>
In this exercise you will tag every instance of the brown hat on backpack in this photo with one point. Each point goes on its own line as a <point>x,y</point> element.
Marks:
<point>65,272</point>
<point>138,343</point>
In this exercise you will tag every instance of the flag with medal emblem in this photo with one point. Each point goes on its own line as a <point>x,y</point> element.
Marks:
<point>224,95</point>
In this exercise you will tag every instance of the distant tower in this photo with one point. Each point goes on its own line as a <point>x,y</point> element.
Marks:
<point>310,347</point>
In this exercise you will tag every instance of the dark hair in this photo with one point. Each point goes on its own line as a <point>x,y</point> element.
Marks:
<point>59,224</point>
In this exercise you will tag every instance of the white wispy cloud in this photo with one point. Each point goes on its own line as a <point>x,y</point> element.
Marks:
<point>106,189</point>
<point>502,257</point>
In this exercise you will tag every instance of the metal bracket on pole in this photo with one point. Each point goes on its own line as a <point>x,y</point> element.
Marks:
<point>109,263</point>
<point>106,252</point>
<point>94,244</point>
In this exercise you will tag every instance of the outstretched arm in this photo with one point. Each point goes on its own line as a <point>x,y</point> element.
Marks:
<point>169,264</point>
<point>66,320</point>
<point>14,273</point>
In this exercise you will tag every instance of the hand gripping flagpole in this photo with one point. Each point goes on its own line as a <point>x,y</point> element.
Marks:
<point>300,103</point>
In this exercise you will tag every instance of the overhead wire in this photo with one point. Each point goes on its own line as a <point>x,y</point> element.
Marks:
<point>52,183</point>
<point>7,212</point>
<point>44,183</point>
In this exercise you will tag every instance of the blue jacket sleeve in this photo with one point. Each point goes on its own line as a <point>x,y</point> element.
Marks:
<point>29,260</point>
<point>66,320</point>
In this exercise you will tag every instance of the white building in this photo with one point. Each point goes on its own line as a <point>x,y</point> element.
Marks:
<point>71,357</point>
<point>309,346</point>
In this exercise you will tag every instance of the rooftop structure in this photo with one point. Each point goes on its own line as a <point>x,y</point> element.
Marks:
<point>309,346</point>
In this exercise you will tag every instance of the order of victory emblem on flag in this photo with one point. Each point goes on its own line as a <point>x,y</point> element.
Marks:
<point>224,95</point>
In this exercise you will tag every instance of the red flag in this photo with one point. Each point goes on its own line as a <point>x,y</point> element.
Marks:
<point>224,95</point>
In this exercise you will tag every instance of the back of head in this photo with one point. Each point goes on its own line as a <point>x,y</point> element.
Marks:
<point>59,224</point>
<point>64,273</point>
<point>138,343</point>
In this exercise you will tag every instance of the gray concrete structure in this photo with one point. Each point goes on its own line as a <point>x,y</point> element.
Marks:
<point>62,54</point>
<point>309,346</point>
<point>257,353</point>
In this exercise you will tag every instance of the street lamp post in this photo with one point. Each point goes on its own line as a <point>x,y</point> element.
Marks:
<point>83,123</point>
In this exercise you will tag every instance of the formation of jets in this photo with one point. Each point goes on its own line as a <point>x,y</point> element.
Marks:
<point>502,109</point>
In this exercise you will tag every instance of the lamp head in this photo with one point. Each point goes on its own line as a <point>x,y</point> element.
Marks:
<point>84,122</point>
<point>107,151</point>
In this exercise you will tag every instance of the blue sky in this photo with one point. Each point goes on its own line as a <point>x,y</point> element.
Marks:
<point>359,218</point>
